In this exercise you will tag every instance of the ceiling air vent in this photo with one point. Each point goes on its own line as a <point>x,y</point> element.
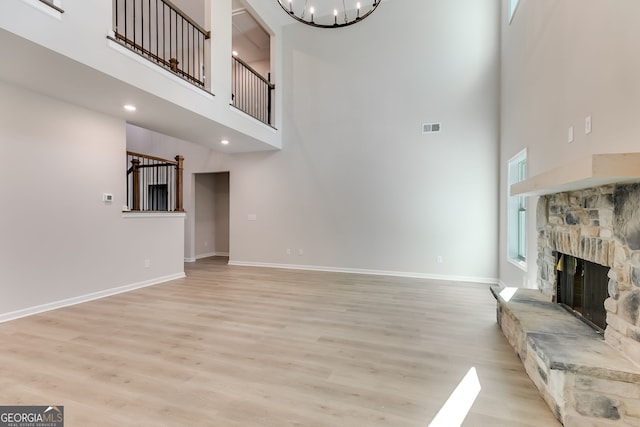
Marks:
<point>430,127</point>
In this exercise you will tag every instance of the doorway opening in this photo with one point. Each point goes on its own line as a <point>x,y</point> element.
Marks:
<point>211,230</point>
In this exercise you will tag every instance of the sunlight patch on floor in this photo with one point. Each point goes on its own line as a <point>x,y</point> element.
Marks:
<point>456,408</point>
<point>507,293</point>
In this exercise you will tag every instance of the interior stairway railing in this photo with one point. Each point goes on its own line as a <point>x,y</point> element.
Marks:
<point>162,33</point>
<point>154,184</point>
<point>250,92</point>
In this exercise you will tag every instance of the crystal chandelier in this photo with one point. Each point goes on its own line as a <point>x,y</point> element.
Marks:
<point>323,15</point>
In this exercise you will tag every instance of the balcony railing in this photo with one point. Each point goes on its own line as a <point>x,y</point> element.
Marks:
<point>251,92</point>
<point>154,184</point>
<point>162,33</point>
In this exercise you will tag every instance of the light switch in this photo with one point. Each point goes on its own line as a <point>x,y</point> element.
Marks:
<point>587,125</point>
<point>570,134</point>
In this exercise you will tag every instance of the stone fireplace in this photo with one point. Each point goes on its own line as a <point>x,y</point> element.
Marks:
<point>588,258</point>
<point>600,225</point>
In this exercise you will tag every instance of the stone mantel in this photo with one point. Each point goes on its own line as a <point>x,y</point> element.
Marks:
<point>586,172</point>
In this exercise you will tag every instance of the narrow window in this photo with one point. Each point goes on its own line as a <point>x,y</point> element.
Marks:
<point>513,4</point>
<point>517,213</point>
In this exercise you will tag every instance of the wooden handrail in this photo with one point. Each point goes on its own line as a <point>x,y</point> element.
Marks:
<point>258,75</point>
<point>251,92</point>
<point>207,34</point>
<point>137,166</point>
<point>157,165</point>
<point>146,156</point>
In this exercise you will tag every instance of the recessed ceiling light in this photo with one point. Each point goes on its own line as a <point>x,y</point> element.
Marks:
<point>224,142</point>
<point>130,107</point>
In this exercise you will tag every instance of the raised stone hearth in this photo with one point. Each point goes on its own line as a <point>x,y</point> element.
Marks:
<point>586,382</point>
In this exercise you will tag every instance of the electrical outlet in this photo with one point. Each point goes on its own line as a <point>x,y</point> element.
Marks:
<point>439,259</point>
<point>300,252</point>
<point>288,251</point>
<point>147,263</point>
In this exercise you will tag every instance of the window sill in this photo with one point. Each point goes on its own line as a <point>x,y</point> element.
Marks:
<point>522,265</point>
<point>50,4</point>
<point>46,7</point>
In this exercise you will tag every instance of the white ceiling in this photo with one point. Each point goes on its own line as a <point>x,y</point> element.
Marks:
<point>250,40</point>
<point>42,70</point>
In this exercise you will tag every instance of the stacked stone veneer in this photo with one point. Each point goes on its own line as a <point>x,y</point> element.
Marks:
<point>601,225</point>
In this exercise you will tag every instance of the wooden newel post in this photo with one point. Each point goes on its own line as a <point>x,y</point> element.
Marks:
<point>135,167</point>
<point>179,163</point>
<point>173,64</point>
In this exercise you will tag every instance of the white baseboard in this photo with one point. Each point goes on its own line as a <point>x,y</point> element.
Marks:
<point>85,298</point>
<point>487,280</point>
<point>210,254</point>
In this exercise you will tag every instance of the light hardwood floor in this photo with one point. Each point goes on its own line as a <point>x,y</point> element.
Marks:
<point>240,347</point>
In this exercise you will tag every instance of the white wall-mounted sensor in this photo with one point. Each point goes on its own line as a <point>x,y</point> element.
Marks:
<point>107,197</point>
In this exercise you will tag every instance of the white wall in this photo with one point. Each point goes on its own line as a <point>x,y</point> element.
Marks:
<point>563,61</point>
<point>194,9</point>
<point>357,186</point>
<point>79,36</point>
<point>60,242</point>
<point>197,160</point>
<point>204,214</point>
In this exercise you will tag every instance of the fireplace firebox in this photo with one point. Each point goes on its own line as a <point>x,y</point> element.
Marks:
<point>582,288</point>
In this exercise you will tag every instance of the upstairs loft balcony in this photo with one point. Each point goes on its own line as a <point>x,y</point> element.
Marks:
<point>164,34</point>
<point>161,32</point>
<point>64,50</point>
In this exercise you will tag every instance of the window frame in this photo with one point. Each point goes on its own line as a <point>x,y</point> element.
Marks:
<point>517,212</point>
